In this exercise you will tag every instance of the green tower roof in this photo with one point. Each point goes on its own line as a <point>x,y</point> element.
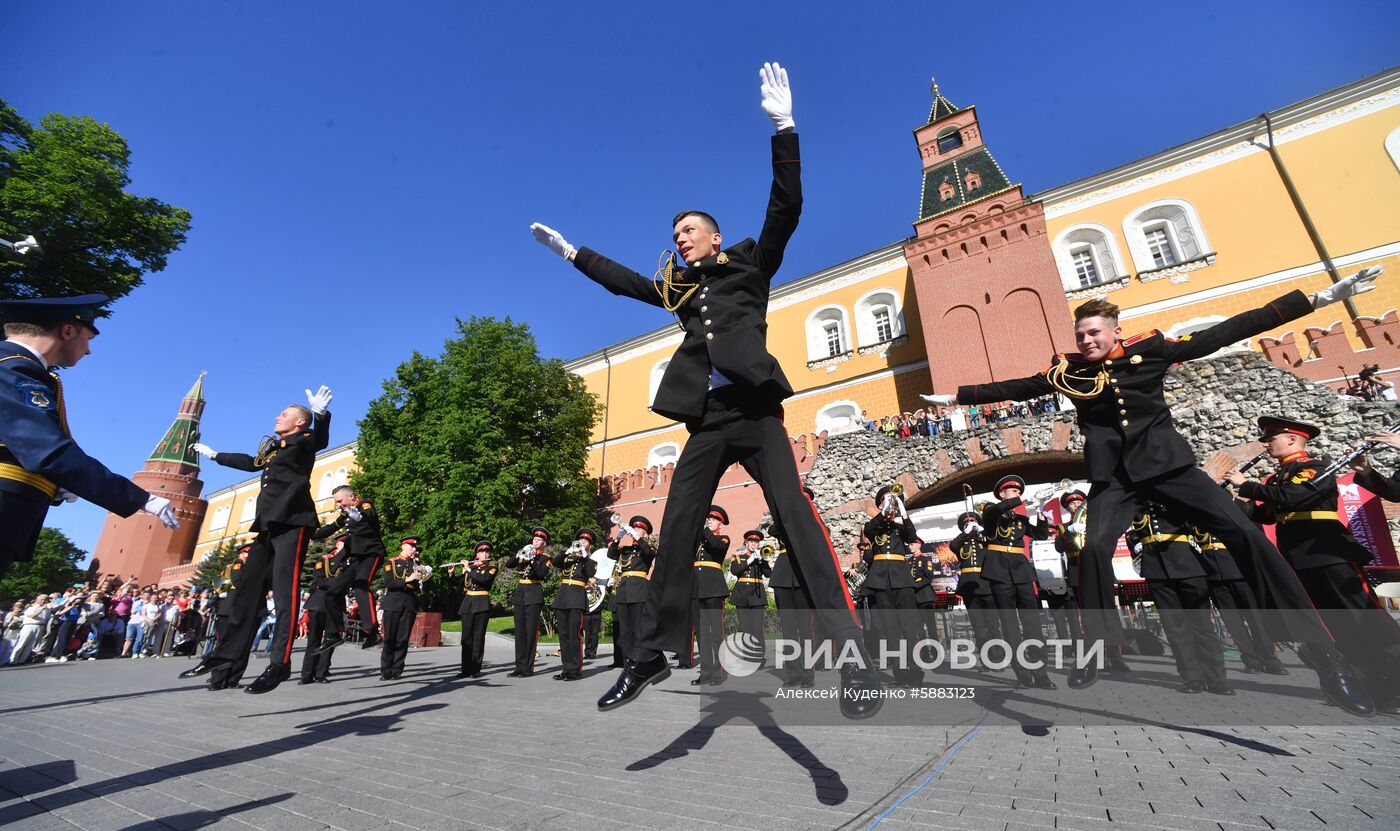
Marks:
<point>954,173</point>
<point>175,446</point>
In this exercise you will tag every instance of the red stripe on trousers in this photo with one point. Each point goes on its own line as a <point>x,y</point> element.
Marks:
<point>296,594</point>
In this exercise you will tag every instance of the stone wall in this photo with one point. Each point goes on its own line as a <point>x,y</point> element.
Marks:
<point>1214,403</point>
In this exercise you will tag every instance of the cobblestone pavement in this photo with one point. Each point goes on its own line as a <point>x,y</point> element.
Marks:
<point>122,744</point>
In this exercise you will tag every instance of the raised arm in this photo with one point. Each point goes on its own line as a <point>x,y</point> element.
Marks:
<point>785,197</point>
<point>616,278</point>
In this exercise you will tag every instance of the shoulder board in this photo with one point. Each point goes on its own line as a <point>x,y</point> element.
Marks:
<point>318,564</point>
<point>388,567</point>
<point>365,505</point>
<point>1140,337</point>
<point>724,540</point>
<point>1304,475</point>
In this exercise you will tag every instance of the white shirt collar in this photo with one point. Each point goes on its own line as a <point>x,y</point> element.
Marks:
<point>34,352</point>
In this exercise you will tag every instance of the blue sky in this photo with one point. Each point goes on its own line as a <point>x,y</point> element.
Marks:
<point>361,174</point>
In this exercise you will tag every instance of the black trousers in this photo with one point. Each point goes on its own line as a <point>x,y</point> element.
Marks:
<point>363,571</point>
<point>625,616</point>
<point>527,636</point>
<point>592,631</point>
<point>737,427</point>
<point>320,626</point>
<point>897,618</point>
<point>1184,606</point>
<point>751,623</point>
<point>274,563</point>
<point>569,624</point>
<point>795,621</point>
<point>1198,498</point>
<point>1064,612</point>
<point>21,520</point>
<point>1366,634</point>
<point>474,640</point>
<point>1018,611</point>
<point>398,625</point>
<point>1235,603</point>
<point>982,614</point>
<point>708,614</point>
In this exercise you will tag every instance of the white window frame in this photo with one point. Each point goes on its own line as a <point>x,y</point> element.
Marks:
<point>1179,215</point>
<point>668,452</point>
<point>220,520</point>
<point>1392,147</point>
<point>1170,244</point>
<point>817,348</point>
<point>883,297</point>
<point>658,370</point>
<point>838,417</point>
<point>250,510</point>
<point>1104,244</point>
<point>327,485</point>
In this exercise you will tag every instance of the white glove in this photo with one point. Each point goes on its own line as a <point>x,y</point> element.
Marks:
<point>553,240</point>
<point>754,557</point>
<point>65,496</point>
<point>941,400</point>
<point>1358,283</point>
<point>204,450</point>
<point>353,513</point>
<point>1137,548</point>
<point>1077,528</point>
<point>160,506</point>
<point>974,527</point>
<point>320,400</point>
<point>776,95</point>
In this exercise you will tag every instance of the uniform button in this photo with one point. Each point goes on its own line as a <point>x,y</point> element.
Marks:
<point>1121,401</point>
<point>704,308</point>
<point>1108,362</point>
<point>707,322</point>
<point>711,336</point>
<point>1125,422</point>
<point>1122,412</point>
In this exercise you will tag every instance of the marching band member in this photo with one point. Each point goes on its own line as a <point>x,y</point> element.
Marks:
<point>325,610</point>
<point>532,565</point>
<point>479,576</point>
<point>576,570</point>
<point>1386,487</point>
<point>708,596</point>
<point>890,583</point>
<point>1012,576</point>
<point>1302,505</point>
<point>1063,609</point>
<point>749,596</point>
<point>364,552</point>
<point>1233,599</point>
<point>969,549</point>
<point>402,582</point>
<point>795,617</point>
<point>229,582</point>
<point>634,556</point>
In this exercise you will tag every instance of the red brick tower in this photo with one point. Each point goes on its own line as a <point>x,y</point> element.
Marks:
<point>140,544</point>
<point>989,295</point>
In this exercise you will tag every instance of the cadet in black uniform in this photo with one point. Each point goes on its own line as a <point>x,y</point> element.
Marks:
<point>325,610</point>
<point>1177,581</point>
<point>976,592</point>
<point>708,596</point>
<point>1302,504</point>
<point>1012,576</point>
<point>1230,593</point>
<point>924,569</point>
<point>40,463</point>
<point>1132,449</point>
<point>1060,597</point>
<point>890,583</point>
<point>634,556</point>
<point>284,519</point>
<point>364,553</point>
<point>576,570</point>
<point>749,597</point>
<point>795,617</point>
<point>228,587</point>
<point>476,609</point>
<point>727,388</point>
<point>532,565</point>
<point>401,587</point>
<point>1386,487</point>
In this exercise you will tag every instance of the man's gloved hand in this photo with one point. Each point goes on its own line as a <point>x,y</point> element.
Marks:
<point>160,506</point>
<point>354,513</point>
<point>1077,528</point>
<point>64,496</point>
<point>204,450</point>
<point>320,400</point>
<point>1358,283</point>
<point>553,240</point>
<point>941,400</point>
<point>974,528</point>
<point>776,95</point>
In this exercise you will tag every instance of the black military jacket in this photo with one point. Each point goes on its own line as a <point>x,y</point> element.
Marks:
<point>1127,426</point>
<point>724,320</point>
<point>37,454</point>
<point>709,566</point>
<point>286,462</point>
<point>784,575</point>
<point>1215,557</point>
<point>476,584</point>
<point>572,595</point>
<point>630,583</point>
<point>1063,546</point>
<point>365,541</point>
<point>1303,506</point>
<point>1386,487</point>
<point>971,557</point>
<point>1168,551</point>
<point>888,540</point>
<point>921,567</point>
<point>529,590</point>
<point>399,594</point>
<point>227,587</point>
<point>324,597</point>
<point>747,594</point>
<point>1008,528</point>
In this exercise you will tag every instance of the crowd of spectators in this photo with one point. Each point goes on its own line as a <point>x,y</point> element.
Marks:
<point>933,421</point>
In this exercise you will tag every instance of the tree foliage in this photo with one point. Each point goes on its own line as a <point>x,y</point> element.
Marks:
<point>65,182</point>
<point>481,442</point>
<point>54,567</point>
<point>209,574</point>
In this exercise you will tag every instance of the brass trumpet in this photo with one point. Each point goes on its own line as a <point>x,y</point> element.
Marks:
<point>893,502</point>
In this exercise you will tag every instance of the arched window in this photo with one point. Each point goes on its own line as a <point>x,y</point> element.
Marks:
<point>663,454</point>
<point>250,509</point>
<point>220,520</point>
<point>1163,234</point>
<point>656,373</point>
<point>878,317</point>
<point>327,484</point>
<point>949,139</point>
<point>1087,255</point>
<point>827,336</point>
<point>839,417</point>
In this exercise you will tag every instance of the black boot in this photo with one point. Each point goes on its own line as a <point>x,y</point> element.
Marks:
<point>635,677</point>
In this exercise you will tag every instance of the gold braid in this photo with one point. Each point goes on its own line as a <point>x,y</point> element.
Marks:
<point>667,286</point>
<point>1060,378</point>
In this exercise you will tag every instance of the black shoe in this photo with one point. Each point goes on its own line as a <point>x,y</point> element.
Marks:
<point>860,693</point>
<point>576,676</point>
<point>233,685</point>
<point>1249,670</point>
<point>386,676</point>
<point>304,681</point>
<point>515,673</point>
<point>1346,691</point>
<point>592,656</point>
<point>563,676</point>
<point>267,682</point>
<point>372,639</point>
<point>1081,677</point>
<point>1043,682</point>
<point>1191,687</point>
<point>718,679</point>
<point>463,674</point>
<point>323,680</point>
<point>216,685</point>
<point>700,681</point>
<point>635,677</point>
<point>1117,664</point>
<point>205,666</point>
<point>1275,667</point>
<point>1389,707</point>
<point>1220,689</point>
<point>685,666</point>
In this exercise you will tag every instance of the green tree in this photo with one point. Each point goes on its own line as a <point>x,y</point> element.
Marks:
<point>54,566</point>
<point>209,574</point>
<point>481,442</point>
<point>65,182</point>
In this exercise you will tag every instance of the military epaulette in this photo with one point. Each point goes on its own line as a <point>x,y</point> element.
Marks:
<point>724,540</point>
<point>365,506</point>
<point>1303,475</point>
<point>1140,337</point>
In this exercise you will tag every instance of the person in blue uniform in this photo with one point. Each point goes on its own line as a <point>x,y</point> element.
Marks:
<point>728,389</point>
<point>40,462</point>
<point>475,610</point>
<point>283,520</point>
